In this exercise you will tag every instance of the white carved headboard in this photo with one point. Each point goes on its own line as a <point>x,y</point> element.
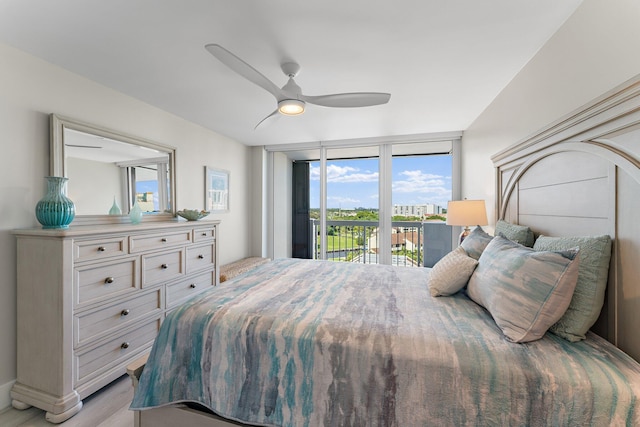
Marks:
<point>581,176</point>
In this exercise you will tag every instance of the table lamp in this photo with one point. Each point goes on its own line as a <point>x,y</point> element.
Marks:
<point>465,213</point>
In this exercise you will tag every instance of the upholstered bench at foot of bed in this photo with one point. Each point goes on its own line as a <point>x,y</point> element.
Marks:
<point>231,270</point>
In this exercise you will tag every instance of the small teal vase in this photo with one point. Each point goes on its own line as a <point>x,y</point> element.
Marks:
<point>55,209</point>
<point>115,209</point>
<point>135,214</point>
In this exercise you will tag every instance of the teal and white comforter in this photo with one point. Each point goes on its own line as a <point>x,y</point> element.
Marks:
<point>315,343</point>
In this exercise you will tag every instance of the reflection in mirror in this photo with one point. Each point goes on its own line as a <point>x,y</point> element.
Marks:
<point>109,171</point>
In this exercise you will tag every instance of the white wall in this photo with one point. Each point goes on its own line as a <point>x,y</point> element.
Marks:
<point>594,51</point>
<point>30,90</point>
<point>88,199</point>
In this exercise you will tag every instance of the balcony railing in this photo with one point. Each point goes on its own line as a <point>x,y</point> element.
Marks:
<point>413,244</point>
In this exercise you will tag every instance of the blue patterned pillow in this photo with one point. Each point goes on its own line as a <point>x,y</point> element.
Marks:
<point>518,233</point>
<point>525,291</point>
<point>588,298</point>
<point>475,242</point>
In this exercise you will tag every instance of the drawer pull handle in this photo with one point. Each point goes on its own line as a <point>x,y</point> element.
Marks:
<point>125,312</point>
<point>204,234</point>
<point>124,345</point>
<point>101,249</point>
<point>163,240</point>
<point>192,286</point>
<point>200,256</point>
<point>164,266</point>
<point>109,280</point>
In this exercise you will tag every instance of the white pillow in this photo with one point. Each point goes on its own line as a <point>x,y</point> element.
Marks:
<point>451,273</point>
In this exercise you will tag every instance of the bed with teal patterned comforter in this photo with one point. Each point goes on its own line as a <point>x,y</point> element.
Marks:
<point>313,343</point>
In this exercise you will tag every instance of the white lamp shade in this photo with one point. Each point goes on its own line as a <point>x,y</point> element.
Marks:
<point>466,213</point>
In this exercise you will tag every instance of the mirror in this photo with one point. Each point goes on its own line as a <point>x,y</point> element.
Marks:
<point>108,171</point>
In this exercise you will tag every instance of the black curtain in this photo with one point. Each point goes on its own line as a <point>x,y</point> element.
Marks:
<point>301,225</point>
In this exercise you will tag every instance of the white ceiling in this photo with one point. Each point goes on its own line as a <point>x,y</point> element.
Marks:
<point>442,61</point>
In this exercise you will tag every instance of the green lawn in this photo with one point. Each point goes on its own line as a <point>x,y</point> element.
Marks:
<point>341,242</point>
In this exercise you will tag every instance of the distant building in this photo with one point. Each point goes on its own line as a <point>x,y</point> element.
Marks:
<point>145,201</point>
<point>417,210</point>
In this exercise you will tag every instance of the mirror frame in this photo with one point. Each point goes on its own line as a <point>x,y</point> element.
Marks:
<point>57,165</point>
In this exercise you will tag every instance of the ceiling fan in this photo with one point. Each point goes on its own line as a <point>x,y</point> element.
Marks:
<point>291,101</point>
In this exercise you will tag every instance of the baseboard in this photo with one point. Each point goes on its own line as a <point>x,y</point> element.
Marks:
<point>5,395</point>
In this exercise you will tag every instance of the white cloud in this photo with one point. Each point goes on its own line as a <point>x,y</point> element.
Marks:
<point>426,188</point>
<point>420,182</point>
<point>345,200</point>
<point>343,174</point>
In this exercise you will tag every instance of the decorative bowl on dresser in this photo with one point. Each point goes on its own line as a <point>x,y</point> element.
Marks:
<point>91,300</point>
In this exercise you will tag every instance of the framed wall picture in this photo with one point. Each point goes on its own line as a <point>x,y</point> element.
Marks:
<point>216,190</point>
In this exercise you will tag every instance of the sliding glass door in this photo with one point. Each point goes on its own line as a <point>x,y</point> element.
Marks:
<point>351,213</point>
<point>368,202</point>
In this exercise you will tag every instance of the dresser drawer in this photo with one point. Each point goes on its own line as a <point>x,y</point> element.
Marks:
<point>106,280</point>
<point>204,234</point>
<point>158,241</point>
<point>102,321</point>
<point>200,257</point>
<point>97,360</point>
<point>162,267</point>
<point>184,289</point>
<point>90,250</point>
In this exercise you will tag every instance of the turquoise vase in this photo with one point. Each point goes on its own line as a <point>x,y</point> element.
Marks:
<point>135,214</point>
<point>115,209</point>
<point>55,209</point>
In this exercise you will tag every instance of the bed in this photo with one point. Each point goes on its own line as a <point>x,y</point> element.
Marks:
<point>300,342</point>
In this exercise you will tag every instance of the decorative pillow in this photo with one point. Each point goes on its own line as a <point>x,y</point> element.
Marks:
<point>588,298</point>
<point>451,273</point>
<point>475,242</point>
<point>518,233</point>
<point>524,290</point>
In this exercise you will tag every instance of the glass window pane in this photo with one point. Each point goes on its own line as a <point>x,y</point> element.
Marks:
<point>352,204</point>
<point>421,188</point>
<point>146,186</point>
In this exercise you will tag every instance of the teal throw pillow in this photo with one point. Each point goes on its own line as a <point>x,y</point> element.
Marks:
<point>588,298</point>
<point>475,242</point>
<point>518,233</point>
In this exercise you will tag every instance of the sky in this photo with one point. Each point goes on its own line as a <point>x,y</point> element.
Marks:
<point>417,180</point>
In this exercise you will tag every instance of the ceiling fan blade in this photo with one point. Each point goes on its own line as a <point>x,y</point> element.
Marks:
<point>348,100</point>
<point>244,69</point>
<point>273,116</point>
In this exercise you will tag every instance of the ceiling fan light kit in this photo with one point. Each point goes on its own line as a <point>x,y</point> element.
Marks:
<point>291,107</point>
<point>291,101</point>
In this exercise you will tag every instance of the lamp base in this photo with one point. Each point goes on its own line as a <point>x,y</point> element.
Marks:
<point>463,235</point>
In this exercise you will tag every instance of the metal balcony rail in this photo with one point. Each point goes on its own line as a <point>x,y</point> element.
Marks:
<point>413,244</point>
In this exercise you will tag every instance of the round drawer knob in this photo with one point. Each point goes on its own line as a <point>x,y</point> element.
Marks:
<point>125,312</point>
<point>124,345</point>
<point>164,266</point>
<point>192,286</point>
<point>101,249</point>
<point>109,280</point>
<point>200,256</point>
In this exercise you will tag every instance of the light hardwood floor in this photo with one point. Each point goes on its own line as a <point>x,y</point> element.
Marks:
<point>108,407</point>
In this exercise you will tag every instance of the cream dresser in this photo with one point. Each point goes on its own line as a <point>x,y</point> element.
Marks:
<point>91,300</point>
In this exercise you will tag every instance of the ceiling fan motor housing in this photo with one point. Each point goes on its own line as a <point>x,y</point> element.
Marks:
<point>290,69</point>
